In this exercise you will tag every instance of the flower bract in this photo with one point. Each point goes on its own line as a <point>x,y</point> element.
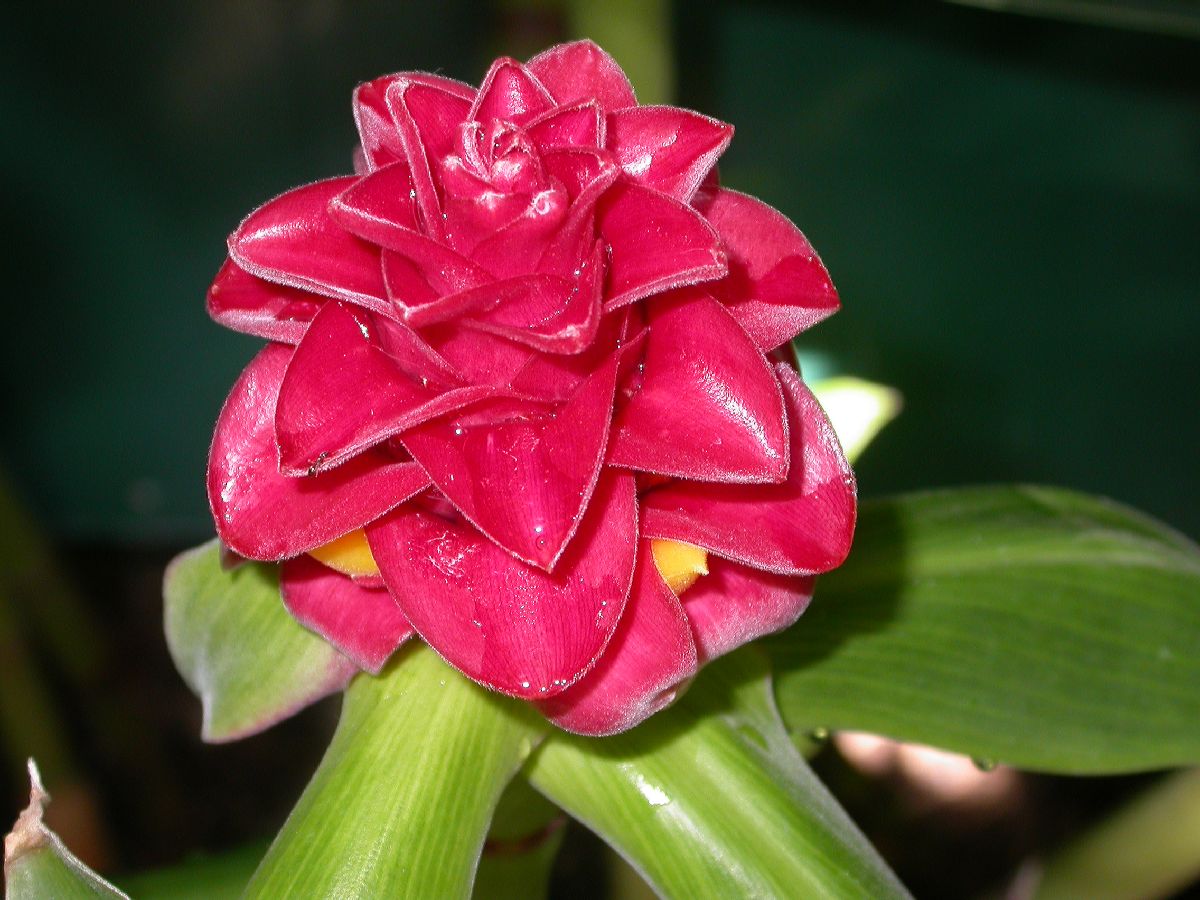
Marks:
<point>521,396</point>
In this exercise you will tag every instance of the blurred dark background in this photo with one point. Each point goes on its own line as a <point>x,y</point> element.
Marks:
<point>1009,205</point>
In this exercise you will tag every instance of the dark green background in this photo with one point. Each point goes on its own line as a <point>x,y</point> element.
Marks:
<point>1010,208</point>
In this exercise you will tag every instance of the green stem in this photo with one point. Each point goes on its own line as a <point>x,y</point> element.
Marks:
<point>710,798</point>
<point>402,801</point>
<point>1151,848</point>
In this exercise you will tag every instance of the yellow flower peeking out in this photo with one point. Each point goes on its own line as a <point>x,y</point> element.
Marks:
<point>349,555</point>
<point>679,564</point>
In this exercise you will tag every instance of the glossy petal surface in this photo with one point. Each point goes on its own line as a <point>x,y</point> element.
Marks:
<point>656,244</point>
<point>250,305</point>
<point>651,654</point>
<point>292,241</point>
<point>801,527</point>
<point>424,107</point>
<point>549,458</point>
<point>666,148</point>
<point>363,622</point>
<point>344,393</point>
<point>709,407</point>
<point>508,625</point>
<point>511,93</point>
<point>733,605</point>
<point>582,71</point>
<point>777,286</point>
<point>262,514</point>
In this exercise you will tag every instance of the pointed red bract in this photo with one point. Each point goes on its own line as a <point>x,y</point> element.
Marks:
<point>262,514</point>
<point>709,407</point>
<point>292,241</point>
<point>381,142</point>
<point>582,71</point>
<point>777,286</point>
<point>363,622</point>
<point>244,303</point>
<point>548,457</point>
<point>650,656</point>
<point>665,148</point>
<point>344,393</point>
<point>508,625</point>
<point>511,93</point>
<point>532,305</point>
<point>434,106</point>
<point>655,243</point>
<point>801,527</point>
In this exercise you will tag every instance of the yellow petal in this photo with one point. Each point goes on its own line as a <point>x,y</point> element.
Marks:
<point>349,554</point>
<point>679,564</point>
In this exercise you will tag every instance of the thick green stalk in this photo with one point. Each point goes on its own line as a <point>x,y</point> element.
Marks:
<point>402,801</point>
<point>710,798</point>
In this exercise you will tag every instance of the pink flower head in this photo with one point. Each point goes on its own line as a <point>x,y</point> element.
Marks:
<point>518,398</point>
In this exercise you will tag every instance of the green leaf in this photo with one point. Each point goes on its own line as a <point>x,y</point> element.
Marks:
<point>1032,626</point>
<point>402,801</point>
<point>710,799</point>
<point>248,660</point>
<point>38,865</point>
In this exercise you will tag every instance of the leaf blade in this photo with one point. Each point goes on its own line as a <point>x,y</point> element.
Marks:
<point>250,663</point>
<point>1035,626</point>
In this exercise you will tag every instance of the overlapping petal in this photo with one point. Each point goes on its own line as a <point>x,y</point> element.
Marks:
<point>377,129</point>
<point>667,148</point>
<point>655,244</point>
<point>511,93</point>
<point>510,626</point>
<point>733,605</point>
<point>250,305</point>
<point>292,241</point>
<point>262,514</point>
<point>425,109</point>
<point>777,286</point>
<point>582,71</point>
<point>547,456</point>
<point>650,656</point>
<point>709,407</point>
<point>343,392</point>
<point>363,622</point>
<point>801,527</point>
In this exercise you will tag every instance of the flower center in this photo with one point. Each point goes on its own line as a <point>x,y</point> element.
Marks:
<point>497,155</point>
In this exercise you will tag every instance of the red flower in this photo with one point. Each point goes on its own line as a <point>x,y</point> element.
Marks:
<point>518,399</point>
